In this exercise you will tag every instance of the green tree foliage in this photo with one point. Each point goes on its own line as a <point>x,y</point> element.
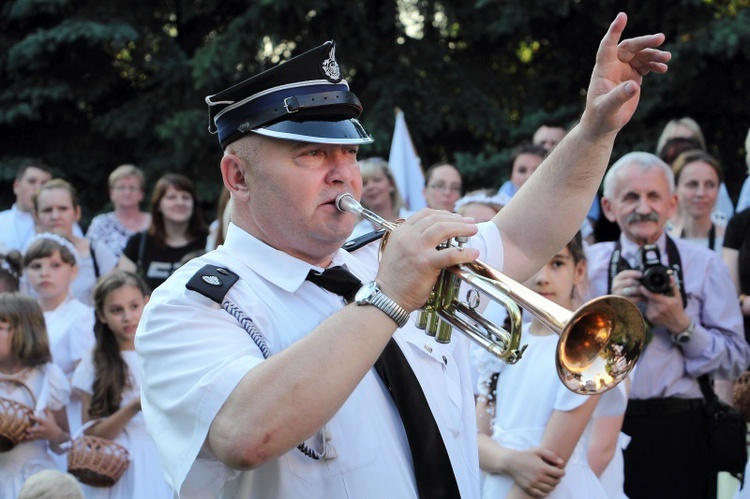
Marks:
<point>90,85</point>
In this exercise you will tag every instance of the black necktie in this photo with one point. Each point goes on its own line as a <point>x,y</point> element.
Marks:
<point>337,280</point>
<point>432,466</point>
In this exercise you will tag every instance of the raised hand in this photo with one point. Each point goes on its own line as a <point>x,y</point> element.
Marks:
<point>614,90</point>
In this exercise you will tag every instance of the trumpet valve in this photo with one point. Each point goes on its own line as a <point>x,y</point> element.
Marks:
<point>423,318</point>
<point>460,241</point>
<point>443,333</point>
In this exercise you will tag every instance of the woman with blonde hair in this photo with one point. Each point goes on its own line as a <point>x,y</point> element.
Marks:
<point>126,191</point>
<point>379,194</point>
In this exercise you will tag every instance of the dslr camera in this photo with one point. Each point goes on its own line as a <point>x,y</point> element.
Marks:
<point>655,275</point>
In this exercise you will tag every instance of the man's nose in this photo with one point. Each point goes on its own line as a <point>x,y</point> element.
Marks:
<point>643,206</point>
<point>341,168</point>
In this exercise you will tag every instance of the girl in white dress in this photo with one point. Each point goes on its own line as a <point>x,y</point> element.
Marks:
<point>25,357</point>
<point>108,380</point>
<point>606,441</point>
<point>529,424</point>
<point>50,264</point>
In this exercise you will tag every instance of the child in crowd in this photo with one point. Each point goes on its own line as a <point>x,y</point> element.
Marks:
<point>11,265</point>
<point>530,445</point>
<point>51,484</point>
<point>50,268</point>
<point>481,205</point>
<point>108,380</point>
<point>25,358</point>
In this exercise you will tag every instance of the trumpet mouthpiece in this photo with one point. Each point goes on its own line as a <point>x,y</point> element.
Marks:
<point>347,204</point>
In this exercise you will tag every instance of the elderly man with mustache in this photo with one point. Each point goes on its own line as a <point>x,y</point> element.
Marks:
<point>694,328</point>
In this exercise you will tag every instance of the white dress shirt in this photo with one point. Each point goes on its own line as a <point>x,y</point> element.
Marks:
<point>17,229</point>
<point>193,354</point>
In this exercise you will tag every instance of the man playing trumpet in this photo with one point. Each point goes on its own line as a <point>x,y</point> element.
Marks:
<point>290,392</point>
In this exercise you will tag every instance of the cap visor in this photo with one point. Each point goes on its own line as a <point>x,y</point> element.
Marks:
<point>348,131</point>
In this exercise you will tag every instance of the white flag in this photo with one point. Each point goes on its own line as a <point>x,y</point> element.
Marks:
<point>406,166</point>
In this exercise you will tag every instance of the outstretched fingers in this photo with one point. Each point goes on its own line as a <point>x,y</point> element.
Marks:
<point>642,55</point>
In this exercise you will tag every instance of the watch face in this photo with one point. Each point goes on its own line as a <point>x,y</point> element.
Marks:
<point>366,292</point>
<point>682,337</point>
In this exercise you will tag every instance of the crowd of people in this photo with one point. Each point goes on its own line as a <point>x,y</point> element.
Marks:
<point>267,358</point>
<point>70,305</point>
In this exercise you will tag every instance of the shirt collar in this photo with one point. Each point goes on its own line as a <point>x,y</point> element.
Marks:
<point>279,268</point>
<point>18,213</point>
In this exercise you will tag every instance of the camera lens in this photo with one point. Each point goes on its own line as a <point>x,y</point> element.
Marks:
<point>656,280</point>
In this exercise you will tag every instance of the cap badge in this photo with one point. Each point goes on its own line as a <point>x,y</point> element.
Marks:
<point>330,67</point>
<point>211,279</point>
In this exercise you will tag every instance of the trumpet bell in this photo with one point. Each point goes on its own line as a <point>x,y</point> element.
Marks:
<point>599,345</point>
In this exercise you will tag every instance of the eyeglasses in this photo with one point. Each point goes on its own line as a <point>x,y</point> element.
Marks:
<point>445,188</point>
<point>126,188</point>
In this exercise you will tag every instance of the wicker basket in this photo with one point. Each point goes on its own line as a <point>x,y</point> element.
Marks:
<point>97,461</point>
<point>15,418</point>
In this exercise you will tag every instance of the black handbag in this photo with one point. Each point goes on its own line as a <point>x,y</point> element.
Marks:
<point>727,433</point>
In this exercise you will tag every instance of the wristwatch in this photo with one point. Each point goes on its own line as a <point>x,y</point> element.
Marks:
<point>684,337</point>
<point>370,294</point>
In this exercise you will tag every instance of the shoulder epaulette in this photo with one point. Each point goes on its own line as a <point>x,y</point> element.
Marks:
<point>363,240</point>
<point>213,282</point>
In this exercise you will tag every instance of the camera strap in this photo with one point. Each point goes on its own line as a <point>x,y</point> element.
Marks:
<point>617,264</point>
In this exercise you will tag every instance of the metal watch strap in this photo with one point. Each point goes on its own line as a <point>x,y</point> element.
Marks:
<point>684,336</point>
<point>390,308</point>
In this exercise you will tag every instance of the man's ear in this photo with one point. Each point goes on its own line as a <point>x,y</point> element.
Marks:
<point>607,208</point>
<point>672,206</point>
<point>234,172</point>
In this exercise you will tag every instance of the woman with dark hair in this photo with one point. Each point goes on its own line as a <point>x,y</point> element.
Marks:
<point>177,228</point>
<point>697,176</point>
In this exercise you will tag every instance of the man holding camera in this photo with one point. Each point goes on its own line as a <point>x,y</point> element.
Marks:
<point>694,327</point>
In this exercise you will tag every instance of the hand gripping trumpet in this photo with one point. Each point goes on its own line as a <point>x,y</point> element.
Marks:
<point>599,343</point>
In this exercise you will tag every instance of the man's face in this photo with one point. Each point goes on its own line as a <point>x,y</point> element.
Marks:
<point>548,137</point>
<point>25,187</point>
<point>292,192</point>
<point>641,203</point>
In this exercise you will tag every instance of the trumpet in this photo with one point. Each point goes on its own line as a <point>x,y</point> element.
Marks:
<point>598,344</point>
